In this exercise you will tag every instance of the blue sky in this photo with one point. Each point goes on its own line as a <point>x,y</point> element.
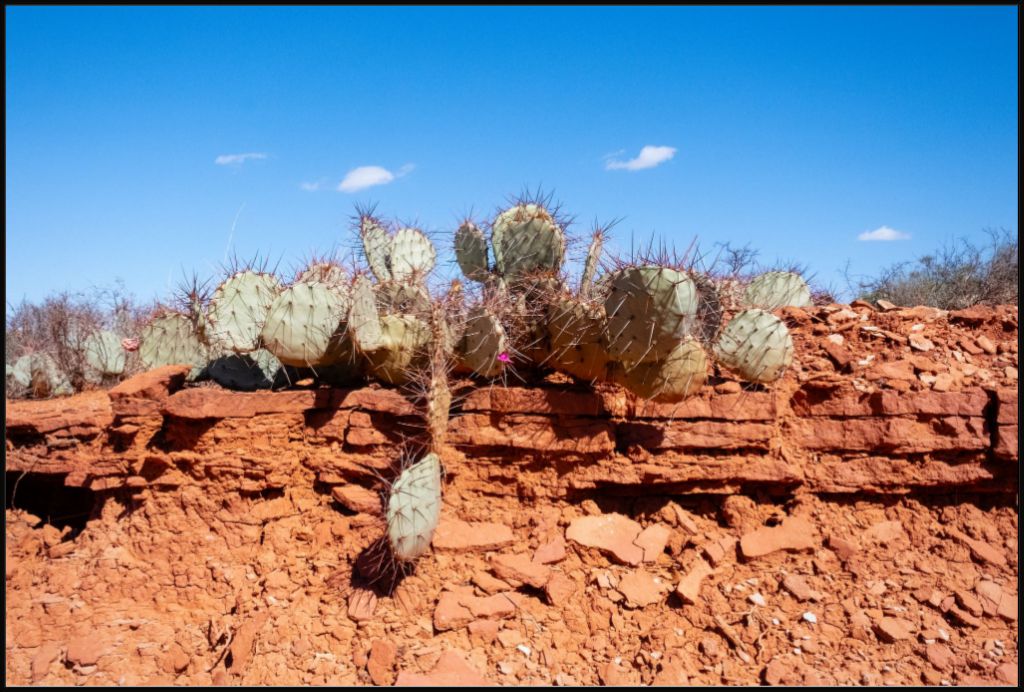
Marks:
<point>796,130</point>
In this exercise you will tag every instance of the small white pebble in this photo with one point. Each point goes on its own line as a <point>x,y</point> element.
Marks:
<point>810,617</point>
<point>618,660</point>
<point>998,642</point>
<point>775,621</point>
<point>944,682</point>
<point>797,650</point>
<point>944,634</point>
<point>757,599</point>
<point>525,649</point>
<point>505,667</point>
<point>655,655</point>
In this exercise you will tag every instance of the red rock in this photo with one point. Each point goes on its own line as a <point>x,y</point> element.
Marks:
<point>381,662</point>
<point>485,631</point>
<point>798,586</point>
<point>43,659</point>
<point>520,569</point>
<point>995,601</point>
<point>450,613</point>
<point>1007,673</point>
<point>968,602</point>
<point>559,589</point>
<point>520,431</point>
<point>986,345</point>
<point>357,499</point>
<point>652,540</point>
<point>490,584</point>
<point>451,671</point>
<point>980,551</point>
<point>467,536</point>
<point>962,617</point>
<point>84,414</point>
<point>611,533</point>
<point>919,342</point>
<point>85,651</point>
<point>175,661</point>
<point>642,588</point>
<point>671,674</point>
<point>551,552</point>
<point>794,533</point>
<point>939,656</point>
<point>885,532</point>
<point>689,586</point>
<point>892,370</point>
<point>843,548</point>
<point>886,305</point>
<point>894,629</point>
<point>244,641</point>
<point>362,603</point>
<point>143,394</point>
<point>721,551</point>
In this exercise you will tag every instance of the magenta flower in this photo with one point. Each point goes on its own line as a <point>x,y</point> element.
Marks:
<point>503,357</point>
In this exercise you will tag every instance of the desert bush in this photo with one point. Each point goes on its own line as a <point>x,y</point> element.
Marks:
<point>59,327</point>
<point>957,275</point>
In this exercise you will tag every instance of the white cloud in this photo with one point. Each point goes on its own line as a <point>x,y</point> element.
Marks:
<point>650,156</point>
<point>884,233</point>
<point>367,176</point>
<point>311,187</point>
<point>230,159</point>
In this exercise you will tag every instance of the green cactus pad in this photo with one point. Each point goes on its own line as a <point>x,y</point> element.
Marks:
<point>403,350</point>
<point>376,246</point>
<point>403,298</point>
<point>22,370</point>
<point>305,325</point>
<point>414,508</point>
<point>670,380</point>
<point>412,255</point>
<point>778,289</point>
<point>364,326</point>
<point>526,238</point>
<point>471,252</point>
<point>238,310</point>
<point>245,372</point>
<point>576,335</point>
<point>756,345</point>
<point>483,344</point>
<point>650,309</point>
<point>590,265</point>
<point>171,339</point>
<point>324,273</point>
<point>104,353</point>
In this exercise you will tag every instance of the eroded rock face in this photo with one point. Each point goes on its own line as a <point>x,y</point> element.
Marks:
<point>228,526</point>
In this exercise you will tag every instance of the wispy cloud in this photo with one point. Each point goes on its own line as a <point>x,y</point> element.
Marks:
<point>649,157</point>
<point>237,159</point>
<point>884,233</point>
<point>312,187</point>
<point>367,176</point>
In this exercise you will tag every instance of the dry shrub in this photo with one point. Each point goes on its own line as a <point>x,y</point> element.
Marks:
<point>958,275</point>
<point>60,324</point>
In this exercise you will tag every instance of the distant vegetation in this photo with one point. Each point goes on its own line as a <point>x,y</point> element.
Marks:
<point>958,275</point>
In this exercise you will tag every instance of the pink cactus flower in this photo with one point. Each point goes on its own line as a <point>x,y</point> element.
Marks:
<point>503,357</point>
<point>130,344</point>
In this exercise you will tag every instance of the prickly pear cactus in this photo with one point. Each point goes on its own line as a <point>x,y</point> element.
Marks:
<point>104,353</point>
<point>364,325</point>
<point>527,238</point>
<point>576,334</point>
<point>590,265</point>
<point>403,297</point>
<point>402,351</point>
<point>414,508</point>
<point>484,345</point>
<point>305,325</point>
<point>777,289</point>
<point>679,375</point>
<point>245,372</point>
<point>324,273</point>
<point>471,252</point>
<point>756,345</point>
<point>650,310</point>
<point>238,310</point>
<point>412,255</point>
<point>171,339</point>
<point>376,246</point>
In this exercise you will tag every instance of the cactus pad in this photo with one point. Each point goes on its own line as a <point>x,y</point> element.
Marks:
<point>576,334</point>
<point>484,345</point>
<point>471,251</point>
<point>414,508</point>
<point>238,310</point>
<point>171,339</point>
<point>777,289</point>
<point>412,255</point>
<point>756,345</point>
<point>305,325</point>
<point>650,309</point>
<point>670,380</point>
<point>376,246</point>
<point>527,238</point>
<point>104,354</point>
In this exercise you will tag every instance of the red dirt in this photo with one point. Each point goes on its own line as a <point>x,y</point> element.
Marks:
<point>854,524</point>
